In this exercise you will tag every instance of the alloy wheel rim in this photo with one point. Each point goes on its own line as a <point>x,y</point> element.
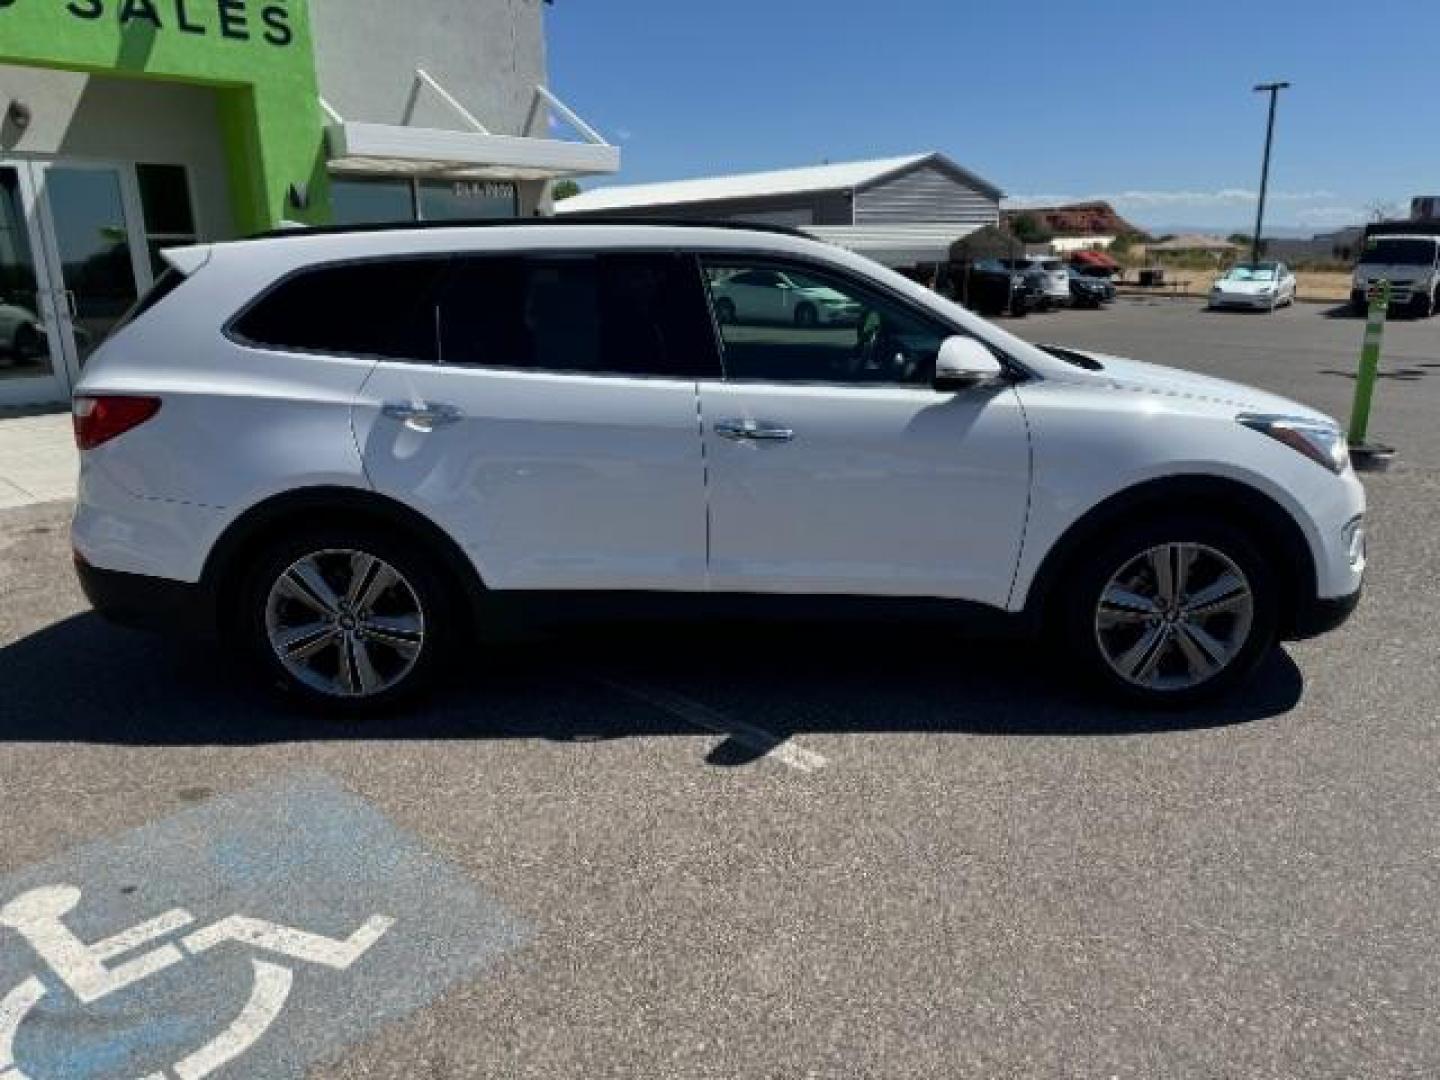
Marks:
<point>345,623</point>
<point>1174,617</point>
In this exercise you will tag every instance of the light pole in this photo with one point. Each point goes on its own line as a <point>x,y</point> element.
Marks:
<point>1273,89</point>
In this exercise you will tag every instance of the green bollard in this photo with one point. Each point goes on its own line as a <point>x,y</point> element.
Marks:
<point>1370,457</point>
<point>1369,364</point>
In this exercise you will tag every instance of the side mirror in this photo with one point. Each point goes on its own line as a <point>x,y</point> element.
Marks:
<point>964,362</point>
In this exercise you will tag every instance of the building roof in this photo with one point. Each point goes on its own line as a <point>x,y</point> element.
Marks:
<point>844,176</point>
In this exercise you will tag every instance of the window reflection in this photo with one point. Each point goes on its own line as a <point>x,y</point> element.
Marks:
<point>783,324</point>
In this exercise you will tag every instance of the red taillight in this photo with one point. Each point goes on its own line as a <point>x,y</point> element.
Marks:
<point>100,419</point>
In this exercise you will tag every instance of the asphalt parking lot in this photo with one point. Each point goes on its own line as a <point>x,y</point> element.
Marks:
<point>868,851</point>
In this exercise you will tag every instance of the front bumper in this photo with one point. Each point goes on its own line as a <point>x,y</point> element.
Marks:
<point>1321,615</point>
<point>1254,301</point>
<point>147,603</point>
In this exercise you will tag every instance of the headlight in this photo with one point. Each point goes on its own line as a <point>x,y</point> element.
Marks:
<point>1322,443</point>
<point>1353,537</point>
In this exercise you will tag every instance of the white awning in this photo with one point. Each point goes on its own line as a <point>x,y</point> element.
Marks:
<point>403,150</point>
<point>906,244</point>
<point>409,151</point>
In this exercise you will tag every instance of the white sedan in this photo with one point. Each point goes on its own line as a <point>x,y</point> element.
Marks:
<point>1263,286</point>
<point>761,295</point>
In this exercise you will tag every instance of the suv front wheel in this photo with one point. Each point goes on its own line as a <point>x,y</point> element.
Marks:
<point>1174,613</point>
<point>345,619</point>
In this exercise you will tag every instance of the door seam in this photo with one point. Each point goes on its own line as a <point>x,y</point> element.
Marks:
<point>704,479</point>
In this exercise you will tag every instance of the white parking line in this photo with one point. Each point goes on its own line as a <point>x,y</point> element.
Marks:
<point>763,742</point>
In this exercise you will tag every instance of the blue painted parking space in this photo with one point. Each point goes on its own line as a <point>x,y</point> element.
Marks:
<point>251,936</point>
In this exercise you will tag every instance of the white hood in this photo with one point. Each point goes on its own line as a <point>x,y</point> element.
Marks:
<point>1246,288</point>
<point>1139,377</point>
<point>1393,271</point>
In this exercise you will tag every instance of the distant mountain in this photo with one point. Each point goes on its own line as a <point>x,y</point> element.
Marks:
<point>1274,232</point>
<point>1077,219</point>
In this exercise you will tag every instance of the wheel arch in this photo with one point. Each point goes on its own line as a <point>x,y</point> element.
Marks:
<point>1267,523</point>
<point>328,506</point>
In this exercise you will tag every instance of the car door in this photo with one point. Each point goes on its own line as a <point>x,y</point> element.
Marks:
<point>556,435</point>
<point>835,466</point>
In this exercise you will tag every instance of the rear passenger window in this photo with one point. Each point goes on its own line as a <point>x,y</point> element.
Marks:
<point>381,308</point>
<point>593,314</point>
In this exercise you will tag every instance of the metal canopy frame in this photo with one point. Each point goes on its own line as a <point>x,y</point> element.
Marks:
<point>404,149</point>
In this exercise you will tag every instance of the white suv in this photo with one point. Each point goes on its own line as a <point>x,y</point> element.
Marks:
<point>344,449</point>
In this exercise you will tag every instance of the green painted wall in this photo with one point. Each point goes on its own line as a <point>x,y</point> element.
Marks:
<point>257,54</point>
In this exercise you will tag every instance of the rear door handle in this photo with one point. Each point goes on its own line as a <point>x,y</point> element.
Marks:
<point>424,414</point>
<point>753,431</point>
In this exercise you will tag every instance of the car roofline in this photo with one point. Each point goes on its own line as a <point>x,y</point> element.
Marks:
<point>541,222</point>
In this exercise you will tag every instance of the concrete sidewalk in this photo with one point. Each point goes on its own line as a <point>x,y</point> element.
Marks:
<point>38,460</point>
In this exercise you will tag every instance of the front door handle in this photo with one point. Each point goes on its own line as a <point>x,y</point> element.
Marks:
<point>422,414</point>
<point>753,431</point>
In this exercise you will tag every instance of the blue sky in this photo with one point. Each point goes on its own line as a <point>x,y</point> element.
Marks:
<point>1146,104</point>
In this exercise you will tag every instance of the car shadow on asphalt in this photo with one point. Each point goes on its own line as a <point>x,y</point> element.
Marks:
<point>82,680</point>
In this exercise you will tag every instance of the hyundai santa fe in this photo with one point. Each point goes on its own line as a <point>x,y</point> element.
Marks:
<point>340,450</point>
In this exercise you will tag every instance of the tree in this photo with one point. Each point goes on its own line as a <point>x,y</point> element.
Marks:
<point>1380,210</point>
<point>1028,229</point>
<point>1123,243</point>
<point>565,189</point>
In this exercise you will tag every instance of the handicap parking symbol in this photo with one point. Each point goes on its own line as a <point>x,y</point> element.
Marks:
<point>301,921</point>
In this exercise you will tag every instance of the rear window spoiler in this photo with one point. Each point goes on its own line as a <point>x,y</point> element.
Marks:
<point>186,260</point>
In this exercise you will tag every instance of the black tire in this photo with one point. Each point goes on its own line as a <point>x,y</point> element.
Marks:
<point>421,583</point>
<point>1078,627</point>
<point>725,311</point>
<point>806,316</point>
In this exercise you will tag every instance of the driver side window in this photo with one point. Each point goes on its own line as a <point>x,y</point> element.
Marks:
<point>790,325</point>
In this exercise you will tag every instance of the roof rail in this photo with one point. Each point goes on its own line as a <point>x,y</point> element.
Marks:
<point>544,222</point>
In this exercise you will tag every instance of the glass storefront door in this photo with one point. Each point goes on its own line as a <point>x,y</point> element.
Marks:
<point>31,366</point>
<point>72,263</point>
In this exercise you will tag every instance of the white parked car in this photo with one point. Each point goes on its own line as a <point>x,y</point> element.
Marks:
<point>1049,276</point>
<point>344,449</point>
<point>754,296</point>
<point>1263,286</point>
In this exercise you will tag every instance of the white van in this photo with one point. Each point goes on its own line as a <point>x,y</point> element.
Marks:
<point>1411,264</point>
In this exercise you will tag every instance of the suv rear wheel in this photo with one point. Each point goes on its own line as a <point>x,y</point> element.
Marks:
<point>345,619</point>
<point>1174,613</point>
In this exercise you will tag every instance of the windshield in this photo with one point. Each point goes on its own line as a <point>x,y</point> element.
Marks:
<point>1252,272</point>
<point>1401,252</point>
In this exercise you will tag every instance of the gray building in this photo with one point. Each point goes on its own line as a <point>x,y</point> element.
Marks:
<point>902,211</point>
<point>128,126</point>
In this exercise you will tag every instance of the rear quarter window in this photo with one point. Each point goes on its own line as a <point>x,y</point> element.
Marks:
<point>383,307</point>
